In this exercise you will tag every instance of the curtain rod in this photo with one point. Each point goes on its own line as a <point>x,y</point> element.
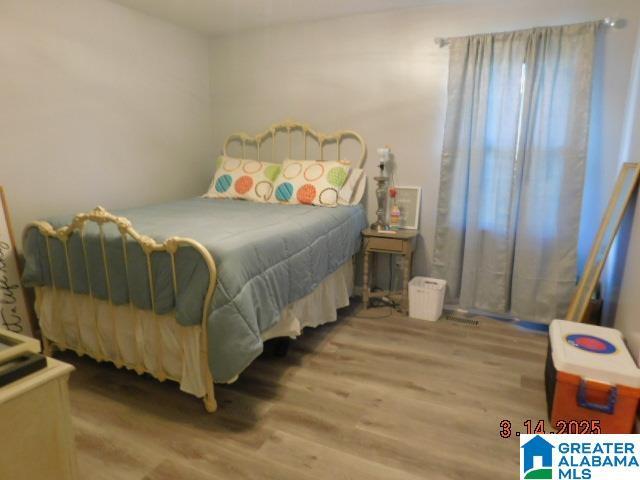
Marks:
<point>610,22</point>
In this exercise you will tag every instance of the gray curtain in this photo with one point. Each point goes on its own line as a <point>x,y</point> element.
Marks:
<point>512,172</point>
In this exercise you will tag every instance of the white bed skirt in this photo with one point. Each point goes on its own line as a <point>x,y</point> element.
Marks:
<point>158,344</point>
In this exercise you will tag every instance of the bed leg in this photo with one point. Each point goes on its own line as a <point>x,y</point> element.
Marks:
<point>47,347</point>
<point>209,400</point>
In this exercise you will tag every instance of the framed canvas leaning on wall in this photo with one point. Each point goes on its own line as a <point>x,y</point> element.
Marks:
<point>14,314</point>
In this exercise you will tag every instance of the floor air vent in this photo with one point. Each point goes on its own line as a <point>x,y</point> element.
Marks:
<point>462,320</point>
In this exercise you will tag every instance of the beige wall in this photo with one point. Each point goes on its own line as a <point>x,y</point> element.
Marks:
<point>628,307</point>
<point>626,271</point>
<point>382,75</point>
<point>104,105</point>
<point>98,105</point>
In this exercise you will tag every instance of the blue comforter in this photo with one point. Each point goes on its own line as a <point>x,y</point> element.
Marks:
<point>267,257</point>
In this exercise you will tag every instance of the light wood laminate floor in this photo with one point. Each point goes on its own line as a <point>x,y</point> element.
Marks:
<point>375,399</point>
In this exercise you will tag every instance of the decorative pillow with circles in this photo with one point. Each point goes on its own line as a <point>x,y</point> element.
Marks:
<point>311,182</point>
<point>243,178</point>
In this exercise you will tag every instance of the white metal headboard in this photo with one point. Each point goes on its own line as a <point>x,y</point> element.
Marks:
<point>287,128</point>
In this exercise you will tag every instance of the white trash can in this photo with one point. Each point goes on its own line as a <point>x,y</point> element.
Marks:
<point>426,298</point>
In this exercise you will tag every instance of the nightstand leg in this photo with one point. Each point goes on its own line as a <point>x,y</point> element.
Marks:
<point>405,283</point>
<point>365,281</point>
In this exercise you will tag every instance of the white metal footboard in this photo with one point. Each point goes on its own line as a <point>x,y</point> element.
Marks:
<point>100,217</point>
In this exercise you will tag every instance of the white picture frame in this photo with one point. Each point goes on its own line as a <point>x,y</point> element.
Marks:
<point>408,199</point>
<point>14,313</point>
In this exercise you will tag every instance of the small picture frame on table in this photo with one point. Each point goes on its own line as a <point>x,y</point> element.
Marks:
<point>19,357</point>
<point>408,200</point>
<point>13,345</point>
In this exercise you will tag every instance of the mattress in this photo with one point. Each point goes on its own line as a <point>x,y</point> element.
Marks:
<point>267,256</point>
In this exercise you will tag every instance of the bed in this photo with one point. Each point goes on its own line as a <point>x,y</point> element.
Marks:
<point>192,292</point>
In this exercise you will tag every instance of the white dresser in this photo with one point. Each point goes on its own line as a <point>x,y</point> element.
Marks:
<point>35,426</point>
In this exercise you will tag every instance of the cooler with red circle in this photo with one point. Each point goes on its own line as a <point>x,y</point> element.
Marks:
<point>590,375</point>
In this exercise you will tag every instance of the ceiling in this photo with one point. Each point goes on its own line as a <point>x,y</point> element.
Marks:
<point>218,17</point>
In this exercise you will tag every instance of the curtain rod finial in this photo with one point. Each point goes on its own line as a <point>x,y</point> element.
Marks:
<point>613,22</point>
<point>441,42</point>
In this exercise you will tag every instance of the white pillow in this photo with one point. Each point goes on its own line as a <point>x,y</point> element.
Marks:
<point>353,189</point>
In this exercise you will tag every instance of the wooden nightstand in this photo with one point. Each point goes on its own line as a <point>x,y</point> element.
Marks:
<point>402,242</point>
